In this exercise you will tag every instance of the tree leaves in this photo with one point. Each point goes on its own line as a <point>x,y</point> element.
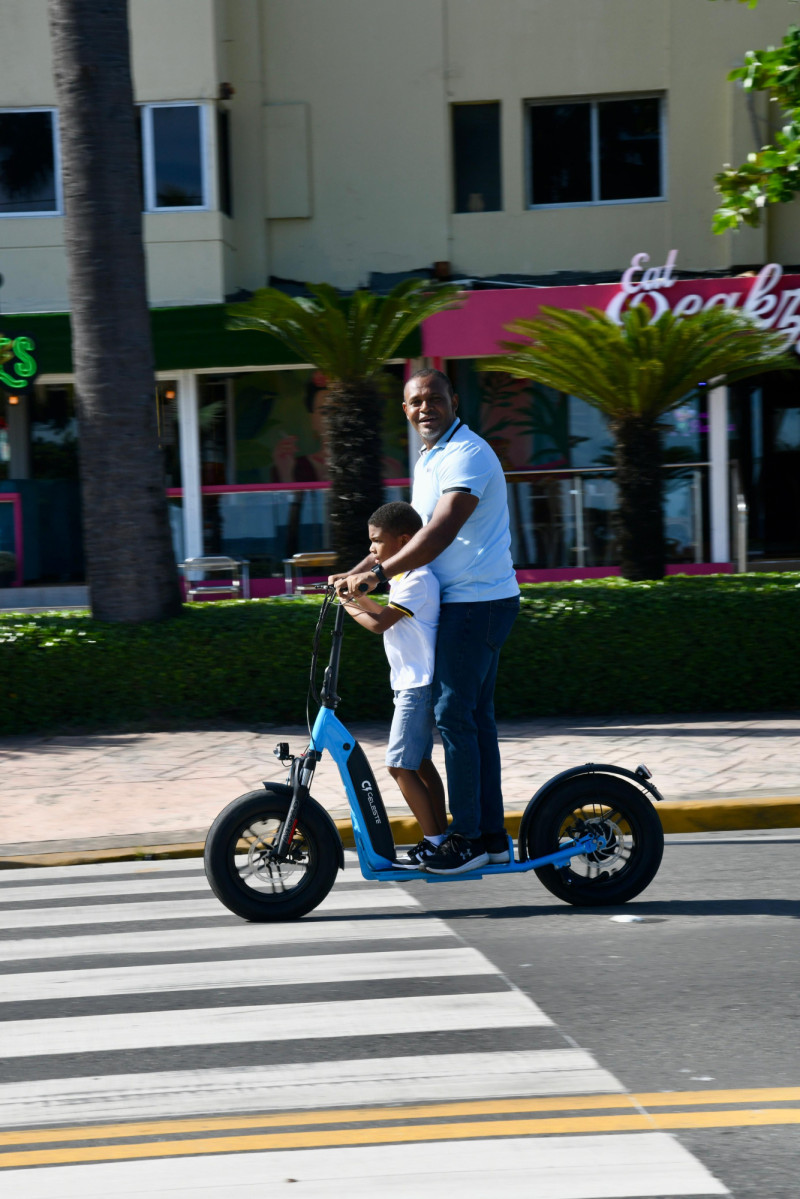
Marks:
<point>642,367</point>
<point>348,338</point>
<point>772,174</point>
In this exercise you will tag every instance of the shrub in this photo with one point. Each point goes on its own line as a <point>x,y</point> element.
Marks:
<point>682,644</point>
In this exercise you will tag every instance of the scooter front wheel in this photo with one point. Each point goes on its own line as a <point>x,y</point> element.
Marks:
<point>244,871</point>
<point>629,824</point>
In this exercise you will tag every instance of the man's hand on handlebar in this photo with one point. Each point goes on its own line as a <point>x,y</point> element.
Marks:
<point>355,584</point>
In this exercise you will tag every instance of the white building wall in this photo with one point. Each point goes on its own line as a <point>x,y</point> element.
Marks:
<point>375,79</point>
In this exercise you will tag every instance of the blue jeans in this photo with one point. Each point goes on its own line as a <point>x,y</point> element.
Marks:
<point>468,646</point>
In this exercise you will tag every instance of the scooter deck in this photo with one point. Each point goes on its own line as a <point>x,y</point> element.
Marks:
<point>562,857</point>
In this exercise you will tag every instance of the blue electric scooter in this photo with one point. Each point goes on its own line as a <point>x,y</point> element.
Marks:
<point>591,833</point>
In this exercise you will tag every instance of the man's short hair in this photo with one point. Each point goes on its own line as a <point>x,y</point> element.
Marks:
<point>430,372</point>
<point>396,518</point>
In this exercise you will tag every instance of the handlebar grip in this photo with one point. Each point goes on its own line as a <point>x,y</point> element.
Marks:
<point>363,587</point>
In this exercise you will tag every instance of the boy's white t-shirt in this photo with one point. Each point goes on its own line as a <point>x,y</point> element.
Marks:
<point>411,643</point>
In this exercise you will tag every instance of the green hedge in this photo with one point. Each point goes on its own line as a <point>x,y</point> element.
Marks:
<point>687,644</point>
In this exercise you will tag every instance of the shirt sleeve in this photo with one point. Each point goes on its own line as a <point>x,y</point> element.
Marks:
<point>407,595</point>
<point>465,468</point>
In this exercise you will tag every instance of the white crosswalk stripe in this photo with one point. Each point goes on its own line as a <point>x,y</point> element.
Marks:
<point>144,1023</point>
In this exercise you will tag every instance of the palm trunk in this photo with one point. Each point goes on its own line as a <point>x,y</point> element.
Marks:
<point>131,567</point>
<point>640,506</point>
<point>353,416</point>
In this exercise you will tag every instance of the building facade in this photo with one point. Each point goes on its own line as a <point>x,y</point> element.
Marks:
<point>518,146</point>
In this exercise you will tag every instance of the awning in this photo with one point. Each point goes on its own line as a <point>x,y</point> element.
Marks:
<point>186,338</point>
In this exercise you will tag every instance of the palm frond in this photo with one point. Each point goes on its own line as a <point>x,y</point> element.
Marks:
<point>348,338</point>
<point>641,367</point>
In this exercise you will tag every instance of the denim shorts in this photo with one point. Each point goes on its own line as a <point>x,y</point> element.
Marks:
<point>411,735</point>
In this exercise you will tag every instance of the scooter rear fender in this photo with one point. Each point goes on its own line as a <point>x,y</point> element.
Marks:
<point>285,792</point>
<point>529,815</point>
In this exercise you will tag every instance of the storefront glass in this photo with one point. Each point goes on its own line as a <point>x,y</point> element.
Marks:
<point>765,458</point>
<point>262,443</point>
<point>558,454</point>
<point>168,439</point>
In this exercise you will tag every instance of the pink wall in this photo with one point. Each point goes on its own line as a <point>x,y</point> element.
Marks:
<point>476,328</point>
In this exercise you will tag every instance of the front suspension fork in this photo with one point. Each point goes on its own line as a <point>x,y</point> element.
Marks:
<point>301,772</point>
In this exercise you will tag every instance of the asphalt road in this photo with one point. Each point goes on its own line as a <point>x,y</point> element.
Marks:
<point>702,994</point>
<point>472,1036</point>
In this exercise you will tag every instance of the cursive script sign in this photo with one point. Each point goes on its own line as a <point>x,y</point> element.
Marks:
<point>760,296</point>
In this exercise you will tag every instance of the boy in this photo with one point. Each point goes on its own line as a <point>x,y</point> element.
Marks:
<point>408,624</point>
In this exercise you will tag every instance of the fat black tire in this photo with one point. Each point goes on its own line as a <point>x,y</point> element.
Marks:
<point>631,860</point>
<point>251,883</point>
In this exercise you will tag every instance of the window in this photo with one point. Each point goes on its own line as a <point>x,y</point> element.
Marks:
<point>224,161</point>
<point>174,156</point>
<point>29,182</point>
<point>596,151</point>
<point>476,157</point>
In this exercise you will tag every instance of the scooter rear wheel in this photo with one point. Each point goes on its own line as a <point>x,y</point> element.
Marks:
<point>634,845</point>
<point>244,872</point>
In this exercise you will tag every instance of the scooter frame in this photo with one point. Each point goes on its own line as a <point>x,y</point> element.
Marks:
<point>371,827</point>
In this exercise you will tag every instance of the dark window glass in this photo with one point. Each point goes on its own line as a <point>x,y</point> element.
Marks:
<point>27,162</point>
<point>137,116</point>
<point>630,149</point>
<point>224,159</point>
<point>53,430</point>
<point>561,159</point>
<point>476,157</point>
<point>177,156</point>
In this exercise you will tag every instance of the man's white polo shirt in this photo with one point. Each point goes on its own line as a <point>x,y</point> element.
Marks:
<point>477,565</point>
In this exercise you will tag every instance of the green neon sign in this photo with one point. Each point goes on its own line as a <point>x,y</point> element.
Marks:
<point>18,367</point>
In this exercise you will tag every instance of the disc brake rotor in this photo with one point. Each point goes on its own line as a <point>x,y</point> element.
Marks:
<point>265,867</point>
<point>613,850</point>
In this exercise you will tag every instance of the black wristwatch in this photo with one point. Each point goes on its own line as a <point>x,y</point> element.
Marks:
<point>379,573</point>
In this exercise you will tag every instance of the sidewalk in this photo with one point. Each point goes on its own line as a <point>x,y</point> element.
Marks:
<point>149,790</point>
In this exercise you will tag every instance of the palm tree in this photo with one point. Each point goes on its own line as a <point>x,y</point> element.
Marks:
<point>130,562</point>
<point>349,339</point>
<point>635,373</point>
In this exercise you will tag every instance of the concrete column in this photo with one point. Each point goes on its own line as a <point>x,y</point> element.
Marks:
<point>189,434</point>
<point>18,441</point>
<point>719,497</point>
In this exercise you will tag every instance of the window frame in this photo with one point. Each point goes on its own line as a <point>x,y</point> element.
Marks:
<point>55,131</point>
<point>207,151</point>
<point>594,148</point>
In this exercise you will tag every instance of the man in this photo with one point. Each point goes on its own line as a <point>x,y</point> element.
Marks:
<point>460,493</point>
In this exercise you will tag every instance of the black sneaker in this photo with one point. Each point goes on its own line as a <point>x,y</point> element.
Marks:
<point>497,847</point>
<point>457,855</point>
<point>414,858</point>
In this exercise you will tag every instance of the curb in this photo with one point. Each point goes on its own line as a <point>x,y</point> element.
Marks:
<point>677,816</point>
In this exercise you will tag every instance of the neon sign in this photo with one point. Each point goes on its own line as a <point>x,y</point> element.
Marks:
<point>18,367</point>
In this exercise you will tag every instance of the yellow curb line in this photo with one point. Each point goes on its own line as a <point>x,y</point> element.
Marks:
<point>677,816</point>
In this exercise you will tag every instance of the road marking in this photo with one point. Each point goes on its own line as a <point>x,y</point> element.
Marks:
<point>638,1164</point>
<point>88,888</point>
<point>243,972</point>
<point>228,936</point>
<point>440,1111</point>
<point>188,909</point>
<point>270,1022</point>
<point>317,1085</point>
<point>404,1134</point>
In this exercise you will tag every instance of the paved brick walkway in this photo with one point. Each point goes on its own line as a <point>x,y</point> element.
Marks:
<point>109,790</point>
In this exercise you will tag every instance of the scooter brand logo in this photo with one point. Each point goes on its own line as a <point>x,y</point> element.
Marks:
<point>760,296</point>
<point>367,787</point>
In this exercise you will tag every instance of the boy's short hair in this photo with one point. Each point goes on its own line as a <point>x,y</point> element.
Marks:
<point>396,518</point>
